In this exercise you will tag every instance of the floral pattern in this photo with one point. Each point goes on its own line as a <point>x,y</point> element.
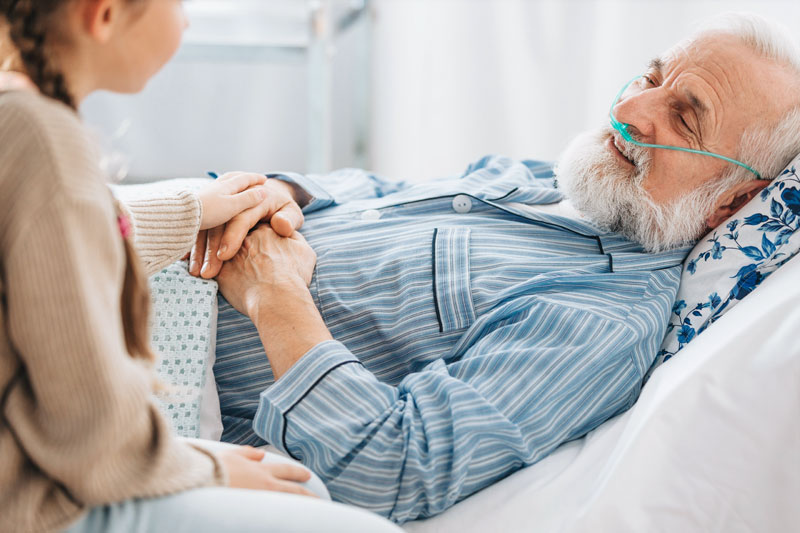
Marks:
<point>731,261</point>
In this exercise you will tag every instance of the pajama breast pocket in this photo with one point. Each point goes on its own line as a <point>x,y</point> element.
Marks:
<point>398,285</point>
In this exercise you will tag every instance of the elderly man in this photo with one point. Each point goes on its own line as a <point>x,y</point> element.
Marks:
<point>418,343</point>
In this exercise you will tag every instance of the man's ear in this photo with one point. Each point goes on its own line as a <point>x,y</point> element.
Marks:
<point>733,200</point>
<point>98,18</point>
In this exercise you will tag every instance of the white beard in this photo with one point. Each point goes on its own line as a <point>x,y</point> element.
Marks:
<point>610,194</point>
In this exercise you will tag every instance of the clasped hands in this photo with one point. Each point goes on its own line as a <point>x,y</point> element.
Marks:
<point>273,253</point>
<point>232,205</point>
<point>274,262</point>
<point>264,273</point>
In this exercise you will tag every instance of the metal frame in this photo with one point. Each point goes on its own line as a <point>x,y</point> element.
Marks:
<point>324,25</point>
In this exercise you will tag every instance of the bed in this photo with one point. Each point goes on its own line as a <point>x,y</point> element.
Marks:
<point>713,443</point>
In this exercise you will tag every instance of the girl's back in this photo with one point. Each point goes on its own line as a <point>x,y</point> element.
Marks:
<point>77,408</point>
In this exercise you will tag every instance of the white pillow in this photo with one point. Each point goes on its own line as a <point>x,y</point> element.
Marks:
<point>734,259</point>
<point>184,338</point>
<point>210,411</point>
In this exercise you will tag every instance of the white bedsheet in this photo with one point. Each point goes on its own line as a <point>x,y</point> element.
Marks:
<point>713,444</point>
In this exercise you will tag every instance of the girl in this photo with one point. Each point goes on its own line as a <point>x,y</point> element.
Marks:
<point>82,444</point>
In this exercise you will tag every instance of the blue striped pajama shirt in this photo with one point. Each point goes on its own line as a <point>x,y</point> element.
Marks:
<point>473,336</point>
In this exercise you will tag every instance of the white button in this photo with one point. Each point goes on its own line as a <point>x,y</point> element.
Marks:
<point>371,214</point>
<point>462,204</point>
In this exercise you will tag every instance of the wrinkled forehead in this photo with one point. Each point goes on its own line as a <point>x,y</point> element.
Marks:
<point>721,62</point>
<point>727,77</point>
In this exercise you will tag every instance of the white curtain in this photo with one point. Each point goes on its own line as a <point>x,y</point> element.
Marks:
<point>452,80</point>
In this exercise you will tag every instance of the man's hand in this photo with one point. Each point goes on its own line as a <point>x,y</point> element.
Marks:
<point>278,206</point>
<point>266,265</point>
<point>246,471</point>
<point>268,281</point>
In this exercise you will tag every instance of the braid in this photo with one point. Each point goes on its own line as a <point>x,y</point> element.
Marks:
<point>28,31</point>
<point>28,26</point>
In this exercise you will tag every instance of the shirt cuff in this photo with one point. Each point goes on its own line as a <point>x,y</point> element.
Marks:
<point>294,386</point>
<point>320,198</point>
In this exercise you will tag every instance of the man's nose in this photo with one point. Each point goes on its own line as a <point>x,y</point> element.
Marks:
<point>641,111</point>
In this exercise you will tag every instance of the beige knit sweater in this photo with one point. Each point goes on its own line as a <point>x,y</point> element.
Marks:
<point>79,426</point>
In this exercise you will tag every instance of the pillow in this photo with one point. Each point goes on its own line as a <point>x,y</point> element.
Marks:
<point>183,337</point>
<point>734,259</point>
<point>210,411</point>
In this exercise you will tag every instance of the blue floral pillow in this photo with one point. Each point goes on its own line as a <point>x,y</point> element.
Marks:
<point>734,259</point>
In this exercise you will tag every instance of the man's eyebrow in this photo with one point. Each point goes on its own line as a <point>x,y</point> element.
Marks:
<point>699,107</point>
<point>655,65</point>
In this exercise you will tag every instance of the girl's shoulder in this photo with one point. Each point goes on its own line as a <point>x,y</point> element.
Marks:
<point>48,163</point>
<point>24,109</point>
<point>41,138</point>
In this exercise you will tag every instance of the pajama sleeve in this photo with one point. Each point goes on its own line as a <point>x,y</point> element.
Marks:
<point>346,185</point>
<point>489,177</point>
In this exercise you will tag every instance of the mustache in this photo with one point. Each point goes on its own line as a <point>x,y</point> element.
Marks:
<point>640,156</point>
<point>612,194</point>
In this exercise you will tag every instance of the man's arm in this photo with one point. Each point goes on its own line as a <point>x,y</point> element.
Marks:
<point>319,191</point>
<point>268,280</point>
<point>289,195</point>
<point>496,173</point>
<point>288,324</point>
<point>445,432</point>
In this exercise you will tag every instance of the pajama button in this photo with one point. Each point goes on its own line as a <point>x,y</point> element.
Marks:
<point>462,204</point>
<point>371,214</point>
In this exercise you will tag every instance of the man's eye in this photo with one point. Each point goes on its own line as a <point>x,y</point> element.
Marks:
<point>649,81</point>
<point>685,124</point>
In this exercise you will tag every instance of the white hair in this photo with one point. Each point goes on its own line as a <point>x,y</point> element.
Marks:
<point>768,38</point>
<point>767,147</point>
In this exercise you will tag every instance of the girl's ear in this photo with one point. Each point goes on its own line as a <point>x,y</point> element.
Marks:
<point>99,18</point>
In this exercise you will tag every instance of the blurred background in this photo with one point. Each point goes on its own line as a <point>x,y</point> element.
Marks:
<point>411,89</point>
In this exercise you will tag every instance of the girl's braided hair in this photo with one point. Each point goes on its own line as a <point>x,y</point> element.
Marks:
<point>29,24</point>
<point>32,27</point>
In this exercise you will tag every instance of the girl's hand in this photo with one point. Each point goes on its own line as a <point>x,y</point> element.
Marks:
<point>229,195</point>
<point>246,471</point>
<point>279,207</point>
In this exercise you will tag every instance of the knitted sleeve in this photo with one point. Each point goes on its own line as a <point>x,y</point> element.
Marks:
<point>165,221</point>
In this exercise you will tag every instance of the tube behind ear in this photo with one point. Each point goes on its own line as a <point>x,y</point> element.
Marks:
<point>741,195</point>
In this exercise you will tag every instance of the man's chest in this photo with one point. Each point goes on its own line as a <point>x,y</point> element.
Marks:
<point>430,271</point>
